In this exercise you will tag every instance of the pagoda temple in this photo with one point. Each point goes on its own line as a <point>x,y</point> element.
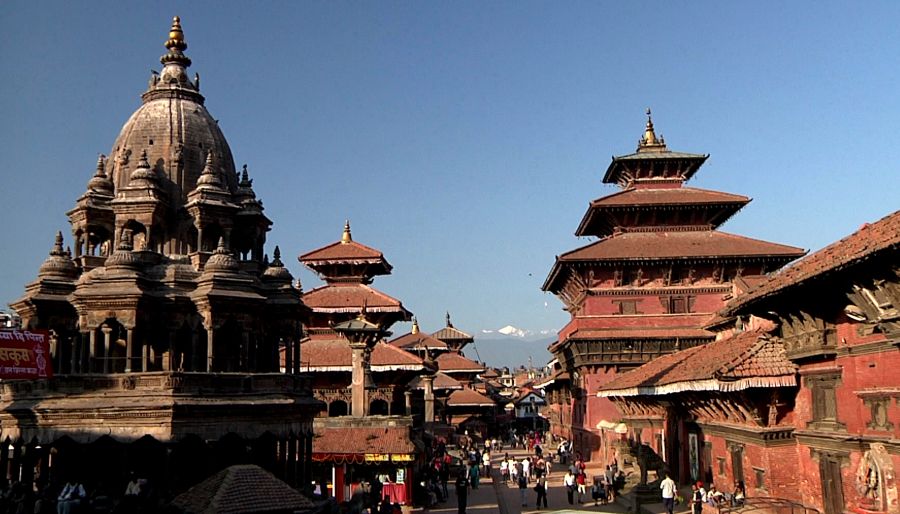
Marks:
<point>369,431</point>
<point>166,322</point>
<point>646,287</point>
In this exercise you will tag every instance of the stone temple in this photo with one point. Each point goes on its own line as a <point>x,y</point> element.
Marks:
<point>166,317</point>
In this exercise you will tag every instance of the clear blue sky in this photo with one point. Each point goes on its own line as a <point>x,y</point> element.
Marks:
<point>464,139</point>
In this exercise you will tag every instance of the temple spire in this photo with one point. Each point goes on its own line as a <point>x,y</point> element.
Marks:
<point>346,237</point>
<point>415,327</point>
<point>448,320</point>
<point>176,36</point>
<point>649,141</point>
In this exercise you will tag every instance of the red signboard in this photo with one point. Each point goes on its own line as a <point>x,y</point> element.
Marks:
<point>25,354</point>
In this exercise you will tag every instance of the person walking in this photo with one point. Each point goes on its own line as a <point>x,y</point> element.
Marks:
<point>569,483</point>
<point>523,485</point>
<point>462,492</point>
<point>668,493</point>
<point>540,488</point>
<point>580,484</point>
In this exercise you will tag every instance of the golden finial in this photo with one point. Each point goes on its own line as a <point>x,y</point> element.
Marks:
<point>649,133</point>
<point>176,36</point>
<point>415,327</point>
<point>346,237</point>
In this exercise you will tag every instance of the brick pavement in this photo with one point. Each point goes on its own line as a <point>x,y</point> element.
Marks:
<point>495,497</point>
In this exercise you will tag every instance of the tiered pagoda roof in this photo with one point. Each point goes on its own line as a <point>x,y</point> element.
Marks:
<point>335,355</point>
<point>455,338</point>
<point>346,261</point>
<point>348,268</point>
<point>416,341</point>
<point>453,362</point>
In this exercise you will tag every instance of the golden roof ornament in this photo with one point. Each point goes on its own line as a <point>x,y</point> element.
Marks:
<point>346,237</point>
<point>649,141</point>
<point>176,36</point>
<point>415,327</point>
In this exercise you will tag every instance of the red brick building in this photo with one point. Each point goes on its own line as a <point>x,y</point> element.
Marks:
<point>659,268</point>
<point>799,396</point>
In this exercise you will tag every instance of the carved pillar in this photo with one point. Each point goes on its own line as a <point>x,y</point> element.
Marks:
<point>297,355</point>
<point>209,349</point>
<point>428,381</point>
<point>357,385</point>
<point>244,364</point>
<point>145,356</point>
<point>106,336</point>
<point>92,355</point>
<point>78,345</point>
<point>288,354</point>
<point>408,402</point>
<point>129,349</point>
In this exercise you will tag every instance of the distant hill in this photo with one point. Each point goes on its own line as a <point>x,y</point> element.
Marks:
<point>510,351</point>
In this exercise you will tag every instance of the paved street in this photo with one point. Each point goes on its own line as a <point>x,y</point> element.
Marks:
<point>494,496</point>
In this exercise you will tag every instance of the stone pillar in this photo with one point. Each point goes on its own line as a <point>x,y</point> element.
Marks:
<point>145,356</point>
<point>288,354</point>
<point>106,336</point>
<point>428,381</point>
<point>358,382</point>
<point>92,355</point>
<point>297,355</point>
<point>209,349</point>
<point>129,349</point>
<point>78,350</point>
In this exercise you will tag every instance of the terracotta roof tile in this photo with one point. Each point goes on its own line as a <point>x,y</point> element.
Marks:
<point>335,355</point>
<point>351,298</point>
<point>679,245</point>
<point>643,333</point>
<point>361,440</point>
<point>872,238</point>
<point>748,359</point>
<point>412,341</point>
<point>452,361</point>
<point>670,196</point>
<point>451,334</point>
<point>442,381</point>
<point>339,251</point>
<point>241,489</point>
<point>469,398</point>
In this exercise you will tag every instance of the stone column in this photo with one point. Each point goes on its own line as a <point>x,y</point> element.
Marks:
<point>129,349</point>
<point>408,397</point>
<point>92,351</point>
<point>288,354</point>
<point>428,381</point>
<point>358,382</point>
<point>78,344</point>
<point>209,349</point>
<point>106,332</point>
<point>297,355</point>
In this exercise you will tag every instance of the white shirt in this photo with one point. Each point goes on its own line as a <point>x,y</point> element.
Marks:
<point>668,488</point>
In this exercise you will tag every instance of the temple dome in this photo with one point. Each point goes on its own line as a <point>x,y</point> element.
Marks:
<point>175,129</point>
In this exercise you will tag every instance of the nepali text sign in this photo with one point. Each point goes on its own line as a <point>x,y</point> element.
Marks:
<point>25,354</point>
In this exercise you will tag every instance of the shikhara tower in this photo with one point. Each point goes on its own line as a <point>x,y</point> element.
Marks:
<point>167,319</point>
<point>657,272</point>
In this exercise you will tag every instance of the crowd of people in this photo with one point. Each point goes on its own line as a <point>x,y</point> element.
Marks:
<point>73,497</point>
<point>701,496</point>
